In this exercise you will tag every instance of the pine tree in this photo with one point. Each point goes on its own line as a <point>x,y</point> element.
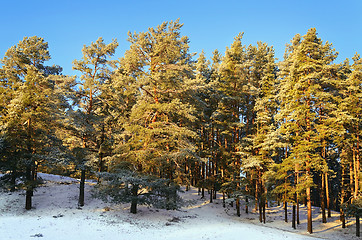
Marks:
<point>349,143</point>
<point>158,136</point>
<point>228,116</point>
<point>354,100</point>
<point>203,108</point>
<point>89,126</point>
<point>35,100</point>
<point>262,144</point>
<point>304,77</point>
<point>127,186</point>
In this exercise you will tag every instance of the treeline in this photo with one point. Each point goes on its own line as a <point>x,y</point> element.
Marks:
<point>240,123</point>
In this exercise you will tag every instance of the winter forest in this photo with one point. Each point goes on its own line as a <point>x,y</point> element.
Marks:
<point>240,125</point>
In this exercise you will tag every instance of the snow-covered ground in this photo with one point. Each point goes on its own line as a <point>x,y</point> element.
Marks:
<point>55,216</point>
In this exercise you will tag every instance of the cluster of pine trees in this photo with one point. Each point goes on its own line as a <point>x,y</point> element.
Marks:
<point>240,123</point>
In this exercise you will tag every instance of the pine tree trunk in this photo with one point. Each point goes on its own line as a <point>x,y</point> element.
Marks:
<point>223,200</point>
<point>187,177</point>
<point>260,196</point>
<point>203,180</point>
<point>309,207</point>
<point>28,173</point>
<point>297,209</point>
<point>357,226</point>
<point>260,211</point>
<point>28,203</point>
<point>100,167</point>
<point>256,192</point>
<point>342,217</point>
<point>214,193</point>
<point>134,199</point>
<point>293,216</point>
<point>322,194</point>
<point>264,217</point>
<point>29,191</point>
<point>308,173</point>
<point>351,175</point>
<point>246,204</point>
<point>309,203</point>
<point>238,206</point>
<point>101,163</point>
<point>356,168</point>
<point>296,194</point>
<point>81,189</point>
<point>285,211</point>
<point>264,199</point>
<point>327,194</point>
<point>285,204</point>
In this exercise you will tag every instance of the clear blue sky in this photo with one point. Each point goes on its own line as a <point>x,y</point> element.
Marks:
<point>69,24</point>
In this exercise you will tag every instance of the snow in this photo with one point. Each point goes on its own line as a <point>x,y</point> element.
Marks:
<point>56,216</point>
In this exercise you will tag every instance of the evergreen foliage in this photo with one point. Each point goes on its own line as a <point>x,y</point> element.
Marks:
<point>33,103</point>
<point>88,128</point>
<point>157,133</point>
<point>125,186</point>
<point>237,123</point>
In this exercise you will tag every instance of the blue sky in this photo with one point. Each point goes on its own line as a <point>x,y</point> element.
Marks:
<point>70,24</point>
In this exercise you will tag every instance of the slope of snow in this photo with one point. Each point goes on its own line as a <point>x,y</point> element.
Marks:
<point>55,216</point>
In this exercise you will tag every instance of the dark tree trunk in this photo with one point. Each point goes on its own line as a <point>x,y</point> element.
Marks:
<point>264,217</point>
<point>297,209</point>
<point>203,180</point>
<point>256,193</point>
<point>134,199</point>
<point>293,216</point>
<point>134,206</point>
<point>29,189</point>
<point>211,195</point>
<point>223,200</point>
<point>238,206</point>
<point>357,226</point>
<point>246,204</point>
<point>214,192</point>
<point>101,163</point>
<point>309,207</point>
<point>28,173</point>
<point>327,194</point>
<point>296,194</point>
<point>81,189</point>
<point>322,196</point>
<point>260,211</point>
<point>285,211</point>
<point>356,167</point>
<point>351,177</point>
<point>342,217</point>
<point>28,204</point>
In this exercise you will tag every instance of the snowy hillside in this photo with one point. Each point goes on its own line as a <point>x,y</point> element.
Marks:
<point>55,216</point>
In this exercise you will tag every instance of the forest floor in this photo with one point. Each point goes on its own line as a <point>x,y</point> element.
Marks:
<point>56,216</point>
